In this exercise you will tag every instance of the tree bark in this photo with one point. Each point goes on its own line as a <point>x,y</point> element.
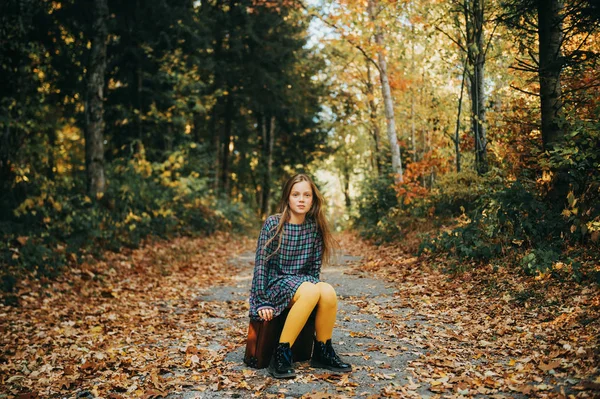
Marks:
<point>227,141</point>
<point>456,139</point>
<point>412,96</point>
<point>94,132</point>
<point>268,138</point>
<point>215,128</point>
<point>550,68</point>
<point>373,119</point>
<point>387,97</point>
<point>346,173</point>
<point>474,19</point>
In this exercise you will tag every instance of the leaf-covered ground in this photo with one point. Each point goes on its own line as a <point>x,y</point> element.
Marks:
<point>111,329</point>
<point>492,333</point>
<point>169,320</point>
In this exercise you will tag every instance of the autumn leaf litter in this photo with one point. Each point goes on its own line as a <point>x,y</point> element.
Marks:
<point>169,320</point>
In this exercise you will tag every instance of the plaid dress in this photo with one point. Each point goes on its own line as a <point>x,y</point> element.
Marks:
<point>298,260</point>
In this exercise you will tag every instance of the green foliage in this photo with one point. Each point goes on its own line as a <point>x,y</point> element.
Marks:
<point>578,155</point>
<point>188,87</point>
<point>60,224</point>
<point>378,209</point>
<point>539,260</point>
<point>458,191</point>
<point>503,221</point>
<point>525,219</point>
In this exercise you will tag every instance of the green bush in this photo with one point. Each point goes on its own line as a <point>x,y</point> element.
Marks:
<point>458,191</point>
<point>378,210</point>
<point>58,224</point>
<point>579,158</point>
<point>528,219</point>
<point>539,260</point>
<point>510,219</point>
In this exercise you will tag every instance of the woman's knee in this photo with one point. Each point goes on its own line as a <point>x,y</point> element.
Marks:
<point>327,296</point>
<point>308,292</point>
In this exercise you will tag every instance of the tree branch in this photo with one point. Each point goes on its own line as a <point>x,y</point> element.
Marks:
<point>337,29</point>
<point>524,91</point>
<point>451,38</point>
<point>583,87</point>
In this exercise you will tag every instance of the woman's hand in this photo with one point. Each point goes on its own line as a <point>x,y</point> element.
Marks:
<point>266,314</point>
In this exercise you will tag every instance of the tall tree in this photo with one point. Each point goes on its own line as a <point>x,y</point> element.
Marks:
<point>550,67</point>
<point>94,129</point>
<point>557,36</point>
<point>388,101</point>
<point>473,12</point>
<point>554,34</point>
<point>268,141</point>
<point>471,18</point>
<point>373,120</point>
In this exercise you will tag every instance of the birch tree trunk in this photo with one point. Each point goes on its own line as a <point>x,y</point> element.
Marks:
<point>94,131</point>
<point>412,95</point>
<point>373,118</point>
<point>456,138</point>
<point>387,96</point>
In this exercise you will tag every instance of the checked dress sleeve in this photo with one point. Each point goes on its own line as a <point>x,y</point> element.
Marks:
<point>258,292</point>
<point>317,260</point>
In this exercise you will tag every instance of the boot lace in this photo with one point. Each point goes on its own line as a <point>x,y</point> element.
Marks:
<point>330,353</point>
<point>284,356</point>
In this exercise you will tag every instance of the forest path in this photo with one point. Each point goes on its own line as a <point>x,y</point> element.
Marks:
<point>364,336</point>
<point>412,331</point>
<point>170,320</point>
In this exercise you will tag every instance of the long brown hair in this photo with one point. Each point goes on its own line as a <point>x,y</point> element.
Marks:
<point>316,212</point>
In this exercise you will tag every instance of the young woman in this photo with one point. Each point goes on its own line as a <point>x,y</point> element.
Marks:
<point>291,248</point>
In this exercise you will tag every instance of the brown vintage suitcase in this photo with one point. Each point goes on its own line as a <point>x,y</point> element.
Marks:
<point>263,337</point>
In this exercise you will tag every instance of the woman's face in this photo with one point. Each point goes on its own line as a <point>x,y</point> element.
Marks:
<point>301,198</point>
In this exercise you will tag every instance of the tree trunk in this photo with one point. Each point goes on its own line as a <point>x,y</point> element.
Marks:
<point>550,68</point>
<point>373,118</point>
<point>216,130</point>
<point>268,136</point>
<point>413,138</point>
<point>94,132</point>
<point>456,139</point>
<point>474,19</point>
<point>412,96</point>
<point>227,143</point>
<point>387,97</point>
<point>139,74</point>
<point>346,173</point>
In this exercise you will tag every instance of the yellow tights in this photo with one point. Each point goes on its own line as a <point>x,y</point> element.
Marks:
<point>307,296</point>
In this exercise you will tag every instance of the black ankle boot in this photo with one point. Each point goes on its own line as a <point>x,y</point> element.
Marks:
<point>281,362</point>
<point>324,357</point>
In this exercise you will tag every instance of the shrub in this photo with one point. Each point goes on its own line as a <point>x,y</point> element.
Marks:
<point>578,156</point>
<point>455,192</point>
<point>506,220</point>
<point>58,224</point>
<point>378,209</point>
